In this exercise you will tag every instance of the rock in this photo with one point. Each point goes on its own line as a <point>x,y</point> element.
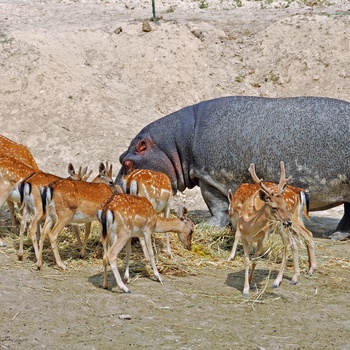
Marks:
<point>146,27</point>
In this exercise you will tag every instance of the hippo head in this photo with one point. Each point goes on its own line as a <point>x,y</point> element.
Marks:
<point>145,153</point>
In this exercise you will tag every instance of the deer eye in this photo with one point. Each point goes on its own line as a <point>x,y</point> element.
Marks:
<point>274,209</point>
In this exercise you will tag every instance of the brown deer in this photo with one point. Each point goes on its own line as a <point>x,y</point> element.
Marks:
<point>297,204</point>
<point>67,201</point>
<point>105,173</point>
<point>9,148</point>
<point>12,172</point>
<point>21,153</point>
<point>31,201</point>
<point>258,217</point>
<point>124,216</point>
<point>156,187</point>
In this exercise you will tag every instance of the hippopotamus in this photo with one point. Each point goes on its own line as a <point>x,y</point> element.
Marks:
<point>212,143</point>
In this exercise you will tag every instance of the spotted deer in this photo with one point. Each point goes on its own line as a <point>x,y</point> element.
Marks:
<point>124,216</point>
<point>67,201</point>
<point>12,172</point>
<point>105,176</point>
<point>297,204</point>
<point>156,187</point>
<point>31,201</point>
<point>21,153</point>
<point>258,216</point>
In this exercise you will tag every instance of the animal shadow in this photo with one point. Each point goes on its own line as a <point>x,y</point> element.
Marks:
<point>135,270</point>
<point>97,281</point>
<point>236,279</point>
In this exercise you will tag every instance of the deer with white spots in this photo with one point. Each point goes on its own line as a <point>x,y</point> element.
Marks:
<point>297,204</point>
<point>258,216</point>
<point>30,201</point>
<point>67,201</point>
<point>124,216</point>
<point>21,153</point>
<point>30,191</point>
<point>11,149</point>
<point>12,172</point>
<point>156,187</point>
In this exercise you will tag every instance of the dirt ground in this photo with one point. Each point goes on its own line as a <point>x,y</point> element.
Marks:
<point>79,79</point>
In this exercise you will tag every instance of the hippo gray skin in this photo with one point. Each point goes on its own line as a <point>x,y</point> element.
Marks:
<point>211,145</point>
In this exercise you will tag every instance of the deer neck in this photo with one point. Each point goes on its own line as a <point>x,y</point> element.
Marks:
<point>168,225</point>
<point>256,216</point>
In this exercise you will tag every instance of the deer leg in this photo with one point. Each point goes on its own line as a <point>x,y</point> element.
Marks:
<point>23,225</point>
<point>76,232</point>
<point>33,228</point>
<point>168,247</point>
<point>148,240</point>
<point>86,237</point>
<point>309,246</point>
<point>295,253</point>
<point>144,248</point>
<point>117,246</point>
<point>235,244</point>
<point>11,207</point>
<point>246,266</point>
<point>279,277</point>
<point>312,257</point>
<point>53,235</point>
<point>310,250</point>
<point>47,226</point>
<point>4,193</point>
<point>257,251</point>
<point>105,261</point>
<point>127,261</point>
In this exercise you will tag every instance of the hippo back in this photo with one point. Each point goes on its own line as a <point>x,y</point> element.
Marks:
<point>308,133</point>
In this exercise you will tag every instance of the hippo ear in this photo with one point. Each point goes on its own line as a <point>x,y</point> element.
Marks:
<point>128,166</point>
<point>141,146</point>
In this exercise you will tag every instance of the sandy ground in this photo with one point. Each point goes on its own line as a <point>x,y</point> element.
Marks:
<point>78,79</point>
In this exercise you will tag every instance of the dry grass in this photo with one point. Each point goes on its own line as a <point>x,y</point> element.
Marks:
<point>210,249</point>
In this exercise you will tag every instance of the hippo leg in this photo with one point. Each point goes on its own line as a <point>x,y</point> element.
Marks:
<point>342,231</point>
<point>217,204</point>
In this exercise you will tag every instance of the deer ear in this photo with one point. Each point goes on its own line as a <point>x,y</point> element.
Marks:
<point>71,170</point>
<point>230,196</point>
<point>129,166</point>
<point>102,168</point>
<point>264,196</point>
<point>141,146</point>
<point>182,212</point>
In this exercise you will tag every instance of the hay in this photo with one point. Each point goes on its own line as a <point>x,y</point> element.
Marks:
<point>210,249</point>
<point>209,245</point>
<point>281,237</point>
